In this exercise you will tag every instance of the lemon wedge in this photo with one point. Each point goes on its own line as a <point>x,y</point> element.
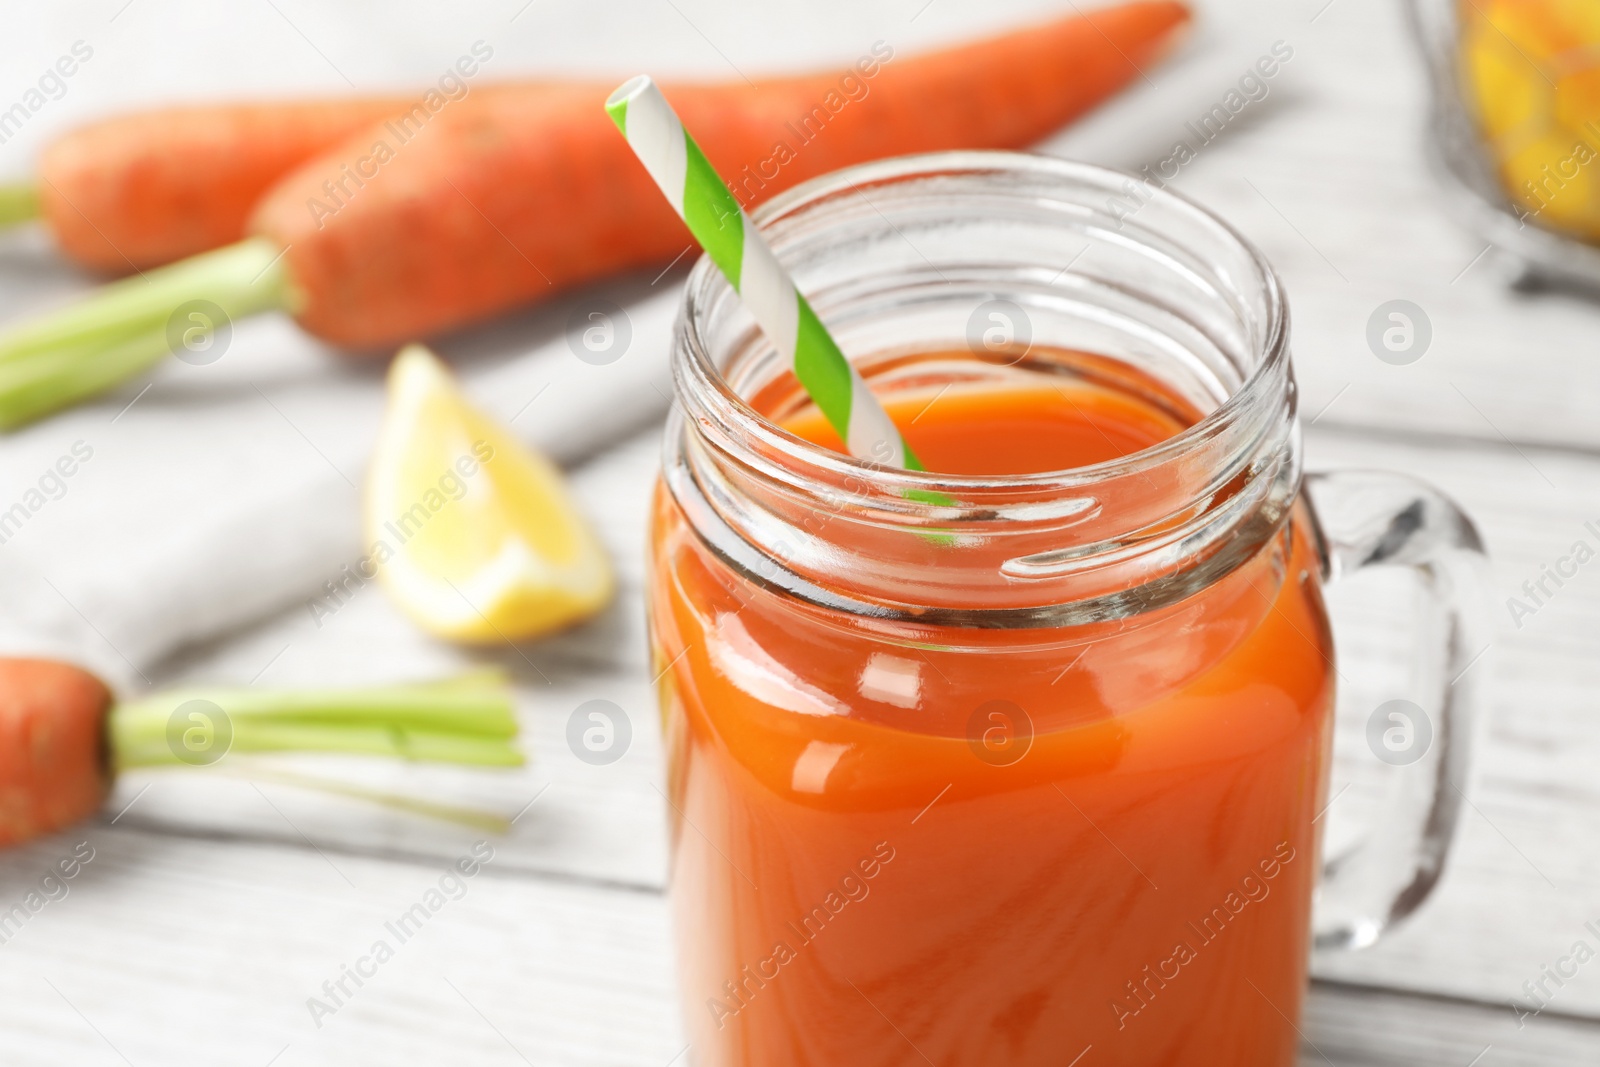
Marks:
<point>473,534</point>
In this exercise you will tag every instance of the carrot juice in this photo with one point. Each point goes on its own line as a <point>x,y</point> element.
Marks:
<point>941,842</point>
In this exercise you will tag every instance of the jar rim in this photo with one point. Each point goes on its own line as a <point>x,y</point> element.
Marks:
<point>705,284</point>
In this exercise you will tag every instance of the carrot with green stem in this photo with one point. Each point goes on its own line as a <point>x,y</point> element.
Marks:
<point>144,189</point>
<point>515,193</point>
<point>63,737</point>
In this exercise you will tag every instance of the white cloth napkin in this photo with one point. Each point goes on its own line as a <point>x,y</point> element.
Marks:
<point>230,491</point>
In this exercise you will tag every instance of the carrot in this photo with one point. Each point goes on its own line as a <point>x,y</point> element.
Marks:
<point>428,222</point>
<point>143,189</point>
<point>53,766</point>
<point>63,738</point>
<point>519,194</point>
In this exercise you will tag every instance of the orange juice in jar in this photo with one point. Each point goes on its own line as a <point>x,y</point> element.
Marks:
<point>1021,758</point>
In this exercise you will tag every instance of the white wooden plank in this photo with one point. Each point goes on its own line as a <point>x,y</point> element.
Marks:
<point>191,952</point>
<point>1354,1027</point>
<point>187,952</point>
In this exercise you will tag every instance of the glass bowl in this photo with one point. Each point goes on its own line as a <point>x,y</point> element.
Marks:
<point>1541,255</point>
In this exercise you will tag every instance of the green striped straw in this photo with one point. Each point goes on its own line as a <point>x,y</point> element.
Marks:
<point>734,244</point>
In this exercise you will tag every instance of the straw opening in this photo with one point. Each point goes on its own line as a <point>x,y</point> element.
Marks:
<point>628,90</point>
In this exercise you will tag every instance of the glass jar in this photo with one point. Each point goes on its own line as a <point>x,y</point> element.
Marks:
<point>996,769</point>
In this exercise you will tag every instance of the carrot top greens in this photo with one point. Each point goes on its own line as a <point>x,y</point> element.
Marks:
<point>92,344</point>
<point>465,720</point>
<point>19,202</point>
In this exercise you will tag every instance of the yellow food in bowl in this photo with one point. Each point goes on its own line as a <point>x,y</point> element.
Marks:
<point>1532,74</point>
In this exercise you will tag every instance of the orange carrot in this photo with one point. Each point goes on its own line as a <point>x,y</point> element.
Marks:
<point>63,738</point>
<point>151,187</point>
<point>53,766</point>
<point>432,220</point>
<point>517,194</point>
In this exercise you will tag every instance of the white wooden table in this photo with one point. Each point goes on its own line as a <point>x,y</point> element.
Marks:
<point>212,910</point>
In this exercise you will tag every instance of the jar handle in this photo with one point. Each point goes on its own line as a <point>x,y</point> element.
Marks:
<point>1373,519</point>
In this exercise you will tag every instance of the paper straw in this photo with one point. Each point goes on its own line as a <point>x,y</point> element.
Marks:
<point>734,244</point>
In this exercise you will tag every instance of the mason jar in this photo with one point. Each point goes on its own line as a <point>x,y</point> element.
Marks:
<point>998,768</point>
